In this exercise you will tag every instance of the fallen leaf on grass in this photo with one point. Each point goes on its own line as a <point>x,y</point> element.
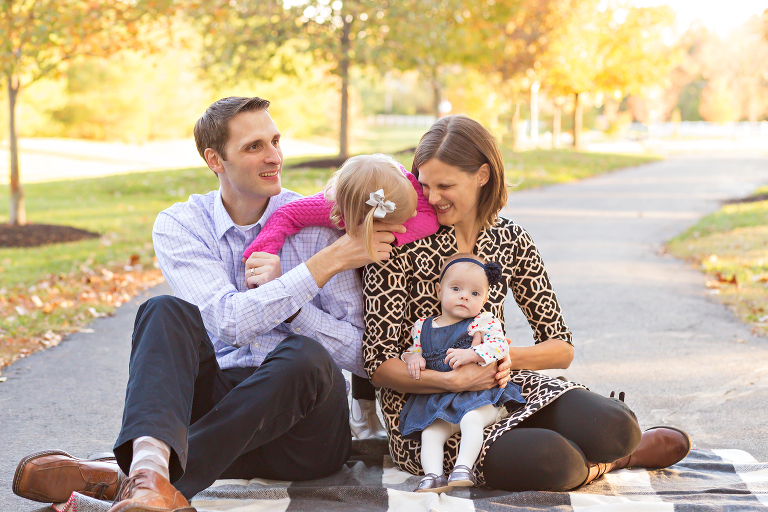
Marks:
<point>729,280</point>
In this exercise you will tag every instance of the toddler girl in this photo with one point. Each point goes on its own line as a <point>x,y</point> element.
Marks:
<point>365,188</point>
<point>461,335</point>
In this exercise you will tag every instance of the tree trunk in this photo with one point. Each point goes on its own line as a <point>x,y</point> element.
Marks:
<point>556,125</point>
<point>437,93</point>
<point>577,114</point>
<point>535,113</point>
<point>17,215</point>
<point>515,128</point>
<point>344,72</point>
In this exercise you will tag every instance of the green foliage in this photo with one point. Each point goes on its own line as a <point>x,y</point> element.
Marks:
<point>122,208</point>
<point>731,247</point>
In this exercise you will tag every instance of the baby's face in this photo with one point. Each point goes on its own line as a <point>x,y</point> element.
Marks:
<point>463,291</point>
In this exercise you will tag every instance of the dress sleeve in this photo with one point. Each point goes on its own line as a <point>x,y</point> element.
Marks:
<point>494,345</point>
<point>288,220</point>
<point>534,294</point>
<point>386,288</point>
<point>416,337</point>
<point>424,223</point>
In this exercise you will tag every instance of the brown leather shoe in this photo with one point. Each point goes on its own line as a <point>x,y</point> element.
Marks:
<point>147,491</point>
<point>51,477</point>
<point>660,447</point>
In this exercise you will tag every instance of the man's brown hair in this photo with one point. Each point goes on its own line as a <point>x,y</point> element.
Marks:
<point>212,129</point>
<point>462,142</point>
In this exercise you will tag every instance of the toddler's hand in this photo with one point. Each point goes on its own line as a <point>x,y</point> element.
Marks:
<point>456,357</point>
<point>416,363</point>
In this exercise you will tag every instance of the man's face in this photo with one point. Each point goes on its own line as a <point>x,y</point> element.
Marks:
<point>254,161</point>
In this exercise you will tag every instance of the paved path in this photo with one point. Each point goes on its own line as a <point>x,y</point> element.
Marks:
<point>643,323</point>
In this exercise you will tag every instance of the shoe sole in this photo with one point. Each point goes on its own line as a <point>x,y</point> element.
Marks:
<point>436,489</point>
<point>139,508</point>
<point>20,470</point>
<point>462,483</point>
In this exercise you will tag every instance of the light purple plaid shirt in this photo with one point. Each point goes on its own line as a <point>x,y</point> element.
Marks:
<point>200,250</point>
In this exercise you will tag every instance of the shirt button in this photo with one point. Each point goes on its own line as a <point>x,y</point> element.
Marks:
<point>255,344</point>
<point>298,329</point>
<point>309,296</point>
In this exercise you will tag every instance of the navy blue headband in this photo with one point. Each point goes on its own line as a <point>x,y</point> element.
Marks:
<point>492,269</point>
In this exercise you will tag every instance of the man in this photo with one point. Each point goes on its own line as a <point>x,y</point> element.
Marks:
<point>237,376</point>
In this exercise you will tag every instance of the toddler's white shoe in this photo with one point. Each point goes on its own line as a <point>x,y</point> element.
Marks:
<point>364,421</point>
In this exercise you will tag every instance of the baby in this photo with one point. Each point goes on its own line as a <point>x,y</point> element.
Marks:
<point>461,335</point>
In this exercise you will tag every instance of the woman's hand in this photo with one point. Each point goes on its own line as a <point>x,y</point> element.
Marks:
<point>416,363</point>
<point>261,268</point>
<point>471,377</point>
<point>456,357</point>
<point>503,371</point>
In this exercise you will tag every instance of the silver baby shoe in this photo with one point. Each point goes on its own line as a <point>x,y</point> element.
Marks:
<point>433,483</point>
<point>461,476</point>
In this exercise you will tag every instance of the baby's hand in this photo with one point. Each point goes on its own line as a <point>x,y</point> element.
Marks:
<point>459,356</point>
<point>416,363</point>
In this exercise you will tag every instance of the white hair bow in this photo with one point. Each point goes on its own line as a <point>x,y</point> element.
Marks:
<point>383,207</point>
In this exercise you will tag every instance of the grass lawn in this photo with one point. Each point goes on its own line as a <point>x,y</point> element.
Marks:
<point>51,290</point>
<point>731,247</point>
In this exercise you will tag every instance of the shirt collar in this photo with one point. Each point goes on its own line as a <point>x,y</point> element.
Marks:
<point>223,222</point>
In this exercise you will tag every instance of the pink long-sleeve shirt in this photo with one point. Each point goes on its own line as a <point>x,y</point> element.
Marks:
<point>315,210</point>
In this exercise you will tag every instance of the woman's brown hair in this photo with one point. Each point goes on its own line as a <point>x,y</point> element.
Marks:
<point>462,142</point>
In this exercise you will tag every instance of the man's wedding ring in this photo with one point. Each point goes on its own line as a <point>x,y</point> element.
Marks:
<point>253,271</point>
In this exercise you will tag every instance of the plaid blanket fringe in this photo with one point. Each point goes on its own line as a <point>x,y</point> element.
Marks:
<point>705,480</point>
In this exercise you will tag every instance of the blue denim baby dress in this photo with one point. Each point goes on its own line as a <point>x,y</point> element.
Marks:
<point>420,411</point>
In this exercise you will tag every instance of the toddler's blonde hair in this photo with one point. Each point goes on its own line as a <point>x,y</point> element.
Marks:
<point>351,186</point>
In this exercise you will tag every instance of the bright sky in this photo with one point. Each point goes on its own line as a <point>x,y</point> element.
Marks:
<point>721,16</point>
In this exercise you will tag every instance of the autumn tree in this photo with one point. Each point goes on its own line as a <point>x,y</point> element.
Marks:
<point>40,35</point>
<point>248,39</point>
<point>607,47</point>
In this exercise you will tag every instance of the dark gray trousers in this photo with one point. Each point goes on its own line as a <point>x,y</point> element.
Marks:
<point>288,419</point>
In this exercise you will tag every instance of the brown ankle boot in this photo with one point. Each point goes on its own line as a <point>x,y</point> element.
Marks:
<point>660,447</point>
<point>595,472</point>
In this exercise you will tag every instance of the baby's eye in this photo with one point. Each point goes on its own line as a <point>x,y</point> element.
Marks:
<point>475,294</point>
<point>455,288</point>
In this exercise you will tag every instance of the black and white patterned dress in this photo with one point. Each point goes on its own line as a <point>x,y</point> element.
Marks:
<point>402,290</point>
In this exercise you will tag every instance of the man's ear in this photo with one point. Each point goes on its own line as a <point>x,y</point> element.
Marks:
<point>213,160</point>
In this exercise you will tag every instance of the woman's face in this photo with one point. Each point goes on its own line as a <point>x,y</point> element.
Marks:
<point>453,192</point>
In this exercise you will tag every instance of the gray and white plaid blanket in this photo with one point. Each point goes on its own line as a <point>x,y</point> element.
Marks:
<point>705,480</point>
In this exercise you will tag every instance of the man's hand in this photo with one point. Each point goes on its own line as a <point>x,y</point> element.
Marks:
<point>477,338</point>
<point>261,268</point>
<point>456,357</point>
<point>415,363</point>
<point>350,252</point>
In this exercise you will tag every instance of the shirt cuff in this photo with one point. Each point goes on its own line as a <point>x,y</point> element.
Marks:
<point>304,288</point>
<point>306,323</point>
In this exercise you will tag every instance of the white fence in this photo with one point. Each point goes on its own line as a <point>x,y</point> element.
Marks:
<point>703,129</point>
<point>398,120</point>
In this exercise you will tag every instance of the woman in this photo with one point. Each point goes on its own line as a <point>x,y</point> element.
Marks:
<point>565,436</point>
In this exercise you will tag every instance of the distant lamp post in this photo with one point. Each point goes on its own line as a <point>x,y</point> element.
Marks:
<point>444,108</point>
